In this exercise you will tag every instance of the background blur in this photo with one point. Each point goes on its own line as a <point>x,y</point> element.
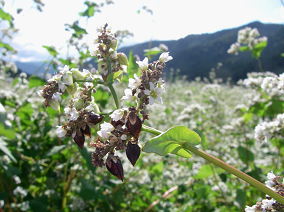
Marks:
<point>207,90</point>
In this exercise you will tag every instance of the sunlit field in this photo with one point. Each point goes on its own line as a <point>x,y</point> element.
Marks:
<point>104,131</point>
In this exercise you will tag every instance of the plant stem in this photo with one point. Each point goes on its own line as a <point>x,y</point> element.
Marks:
<point>114,95</point>
<point>260,186</point>
<point>260,67</point>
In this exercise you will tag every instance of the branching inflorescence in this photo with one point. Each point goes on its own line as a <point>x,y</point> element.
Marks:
<point>120,129</point>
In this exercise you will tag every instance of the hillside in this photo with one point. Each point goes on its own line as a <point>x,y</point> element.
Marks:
<point>195,55</point>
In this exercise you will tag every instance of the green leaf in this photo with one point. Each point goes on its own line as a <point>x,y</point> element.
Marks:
<point>78,31</point>
<point>282,54</point>
<point>176,141</point>
<point>101,96</point>
<point>204,171</point>
<point>152,52</point>
<point>7,47</point>
<point>8,133</point>
<point>6,16</point>
<point>245,154</point>
<point>117,74</point>
<point>90,11</point>
<point>244,48</point>
<point>35,82</point>
<point>258,48</point>
<point>4,149</point>
<point>241,198</point>
<point>51,50</point>
<point>56,149</point>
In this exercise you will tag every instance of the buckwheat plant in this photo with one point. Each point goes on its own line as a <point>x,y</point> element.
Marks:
<point>73,91</point>
<point>249,40</point>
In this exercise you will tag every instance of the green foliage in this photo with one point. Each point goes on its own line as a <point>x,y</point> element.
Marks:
<point>90,11</point>
<point>257,50</point>
<point>5,150</point>
<point>176,141</point>
<point>78,31</point>
<point>35,82</point>
<point>6,46</point>
<point>51,50</point>
<point>6,16</point>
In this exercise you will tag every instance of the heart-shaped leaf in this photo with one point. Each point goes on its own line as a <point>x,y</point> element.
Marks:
<point>175,140</point>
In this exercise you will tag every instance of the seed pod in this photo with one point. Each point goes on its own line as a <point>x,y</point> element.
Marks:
<point>93,118</point>
<point>134,124</point>
<point>122,58</point>
<point>132,152</point>
<point>79,138</point>
<point>86,131</point>
<point>114,166</point>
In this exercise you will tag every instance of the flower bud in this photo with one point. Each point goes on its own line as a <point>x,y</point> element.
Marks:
<point>134,124</point>
<point>113,44</point>
<point>93,118</point>
<point>86,131</point>
<point>79,138</point>
<point>79,104</point>
<point>132,152</point>
<point>78,75</point>
<point>114,166</point>
<point>67,78</point>
<point>122,59</point>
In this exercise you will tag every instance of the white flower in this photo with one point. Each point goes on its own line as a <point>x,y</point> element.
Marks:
<point>117,114</point>
<point>143,65</point>
<point>60,131</point>
<point>17,179</point>
<point>271,176</point>
<point>164,57</point>
<point>2,109</point>
<point>234,49</point>
<point>56,96</point>
<point>128,95</point>
<point>20,191</point>
<point>270,183</point>
<point>105,131</point>
<point>262,132</point>
<point>250,209</point>
<point>64,69</point>
<point>154,93</point>
<point>267,203</point>
<point>135,82</point>
<point>56,78</point>
<point>61,86</point>
<point>72,113</point>
<point>67,78</point>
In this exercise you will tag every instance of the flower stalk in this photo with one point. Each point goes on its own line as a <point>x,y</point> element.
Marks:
<point>255,183</point>
<point>114,95</point>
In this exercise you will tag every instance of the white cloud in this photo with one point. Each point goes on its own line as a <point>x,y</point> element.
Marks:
<point>170,20</point>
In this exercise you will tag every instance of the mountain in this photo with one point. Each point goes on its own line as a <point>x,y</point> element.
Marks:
<point>195,55</point>
<point>34,68</point>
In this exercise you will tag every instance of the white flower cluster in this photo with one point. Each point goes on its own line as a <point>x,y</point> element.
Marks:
<point>270,83</point>
<point>153,89</point>
<point>65,80</point>
<point>266,130</point>
<point>109,60</point>
<point>246,37</point>
<point>267,204</point>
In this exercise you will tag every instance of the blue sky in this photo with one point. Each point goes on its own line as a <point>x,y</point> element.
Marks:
<point>171,19</point>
